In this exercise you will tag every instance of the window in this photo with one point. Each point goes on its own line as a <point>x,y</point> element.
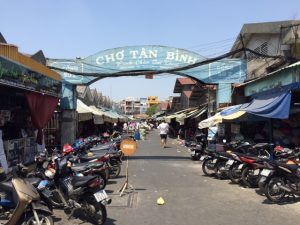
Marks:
<point>262,49</point>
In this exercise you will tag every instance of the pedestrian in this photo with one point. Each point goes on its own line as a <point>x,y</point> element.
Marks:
<point>163,131</point>
<point>125,128</point>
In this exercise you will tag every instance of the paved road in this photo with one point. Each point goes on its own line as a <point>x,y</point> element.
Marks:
<point>191,198</point>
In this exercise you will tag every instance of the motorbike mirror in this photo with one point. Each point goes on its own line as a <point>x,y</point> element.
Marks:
<point>224,141</point>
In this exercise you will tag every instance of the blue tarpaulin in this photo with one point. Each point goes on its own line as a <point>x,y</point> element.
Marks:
<point>230,110</point>
<point>273,105</point>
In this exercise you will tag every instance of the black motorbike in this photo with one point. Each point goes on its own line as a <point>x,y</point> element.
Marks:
<point>81,195</point>
<point>197,149</point>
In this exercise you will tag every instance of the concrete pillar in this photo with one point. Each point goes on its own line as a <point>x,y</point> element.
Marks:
<point>68,126</point>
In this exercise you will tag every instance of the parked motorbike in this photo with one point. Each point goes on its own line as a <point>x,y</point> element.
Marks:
<point>283,155</point>
<point>81,195</point>
<point>254,163</point>
<point>282,180</point>
<point>197,150</point>
<point>20,203</point>
<point>208,162</point>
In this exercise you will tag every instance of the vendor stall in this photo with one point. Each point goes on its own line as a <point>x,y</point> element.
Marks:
<point>29,94</point>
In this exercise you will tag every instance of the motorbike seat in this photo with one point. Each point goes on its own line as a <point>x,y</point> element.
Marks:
<point>225,154</point>
<point>79,168</point>
<point>33,180</point>
<point>292,167</point>
<point>261,145</point>
<point>86,158</point>
<point>97,165</point>
<point>7,186</point>
<point>78,181</point>
<point>101,147</point>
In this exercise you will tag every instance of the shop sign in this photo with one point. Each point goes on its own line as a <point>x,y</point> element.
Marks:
<point>221,129</point>
<point>235,128</point>
<point>224,93</point>
<point>16,75</point>
<point>110,62</point>
<point>279,79</point>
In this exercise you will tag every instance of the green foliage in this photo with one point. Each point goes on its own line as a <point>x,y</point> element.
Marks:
<point>152,110</point>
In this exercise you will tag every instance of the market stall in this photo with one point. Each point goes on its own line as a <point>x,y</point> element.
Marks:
<point>29,94</point>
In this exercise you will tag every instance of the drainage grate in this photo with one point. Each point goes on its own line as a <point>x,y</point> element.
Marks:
<point>126,201</point>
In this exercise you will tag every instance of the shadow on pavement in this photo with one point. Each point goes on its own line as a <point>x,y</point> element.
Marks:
<point>259,192</point>
<point>164,158</point>
<point>56,219</point>
<point>111,182</point>
<point>120,176</point>
<point>285,201</point>
<point>110,221</point>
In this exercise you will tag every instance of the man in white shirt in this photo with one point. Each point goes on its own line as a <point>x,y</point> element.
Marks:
<point>163,131</point>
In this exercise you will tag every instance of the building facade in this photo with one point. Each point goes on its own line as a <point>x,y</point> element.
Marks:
<point>144,105</point>
<point>131,106</point>
<point>152,100</point>
<point>192,94</point>
<point>270,38</point>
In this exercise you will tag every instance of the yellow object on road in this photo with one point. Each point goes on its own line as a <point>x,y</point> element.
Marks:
<point>160,201</point>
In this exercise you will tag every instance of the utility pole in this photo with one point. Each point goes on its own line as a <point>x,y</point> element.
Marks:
<point>208,101</point>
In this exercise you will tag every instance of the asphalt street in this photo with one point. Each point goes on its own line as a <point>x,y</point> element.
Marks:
<point>190,197</point>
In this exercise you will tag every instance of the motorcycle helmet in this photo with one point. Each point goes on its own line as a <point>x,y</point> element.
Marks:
<point>67,149</point>
<point>50,173</point>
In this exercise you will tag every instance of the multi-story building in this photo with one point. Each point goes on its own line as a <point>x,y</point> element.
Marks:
<point>152,100</point>
<point>271,38</point>
<point>280,39</point>
<point>192,94</point>
<point>131,106</point>
<point>144,105</point>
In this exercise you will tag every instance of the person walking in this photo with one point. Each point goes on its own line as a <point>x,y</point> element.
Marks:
<point>163,131</point>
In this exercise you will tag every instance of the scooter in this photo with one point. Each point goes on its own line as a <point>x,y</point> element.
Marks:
<point>197,151</point>
<point>20,202</point>
<point>80,194</point>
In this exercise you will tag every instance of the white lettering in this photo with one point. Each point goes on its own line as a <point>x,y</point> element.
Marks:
<point>143,54</point>
<point>183,58</point>
<point>120,55</point>
<point>177,55</point>
<point>192,60</point>
<point>170,55</point>
<point>134,53</point>
<point>99,60</point>
<point>152,54</point>
<point>110,58</point>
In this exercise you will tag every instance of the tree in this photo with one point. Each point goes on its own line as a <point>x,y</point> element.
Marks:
<point>151,110</point>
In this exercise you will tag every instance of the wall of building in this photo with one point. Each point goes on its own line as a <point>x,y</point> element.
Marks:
<point>152,100</point>
<point>268,44</point>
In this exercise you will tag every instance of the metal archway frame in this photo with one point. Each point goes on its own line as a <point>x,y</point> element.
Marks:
<point>148,59</point>
<point>153,59</point>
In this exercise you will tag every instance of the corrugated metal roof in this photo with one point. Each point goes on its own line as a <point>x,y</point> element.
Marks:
<point>185,81</point>
<point>187,93</point>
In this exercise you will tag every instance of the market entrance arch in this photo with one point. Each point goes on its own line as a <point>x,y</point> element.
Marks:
<point>146,60</point>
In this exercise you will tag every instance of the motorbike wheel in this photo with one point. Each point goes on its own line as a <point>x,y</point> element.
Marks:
<point>45,219</point>
<point>56,200</point>
<point>99,214</point>
<point>272,191</point>
<point>195,157</point>
<point>218,172</point>
<point>234,176</point>
<point>247,179</point>
<point>104,181</point>
<point>205,169</point>
<point>114,171</point>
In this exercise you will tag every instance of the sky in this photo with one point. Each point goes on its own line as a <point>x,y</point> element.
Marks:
<point>79,28</point>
